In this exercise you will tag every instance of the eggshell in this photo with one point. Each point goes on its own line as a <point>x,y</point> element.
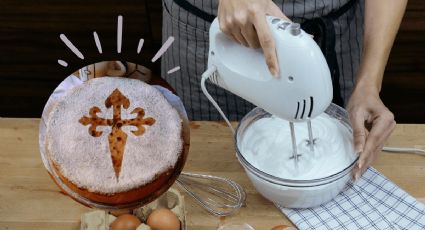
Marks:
<point>283,227</point>
<point>163,219</point>
<point>125,222</point>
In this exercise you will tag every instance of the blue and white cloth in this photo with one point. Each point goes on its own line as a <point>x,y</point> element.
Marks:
<point>374,202</point>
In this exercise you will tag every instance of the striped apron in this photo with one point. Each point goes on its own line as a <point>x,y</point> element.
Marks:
<point>338,24</point>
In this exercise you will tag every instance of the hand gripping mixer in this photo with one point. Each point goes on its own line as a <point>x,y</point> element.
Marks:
<point>303,89</point>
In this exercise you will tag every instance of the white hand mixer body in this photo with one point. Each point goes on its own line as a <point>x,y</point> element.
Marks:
<point>303,88</point>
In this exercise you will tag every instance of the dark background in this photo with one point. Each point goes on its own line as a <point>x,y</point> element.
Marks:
<point>30,47</point>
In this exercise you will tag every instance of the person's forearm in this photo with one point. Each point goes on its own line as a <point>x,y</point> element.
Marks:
<point>382,20</point>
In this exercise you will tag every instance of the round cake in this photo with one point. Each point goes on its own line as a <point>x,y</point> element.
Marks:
<point>116,141</point>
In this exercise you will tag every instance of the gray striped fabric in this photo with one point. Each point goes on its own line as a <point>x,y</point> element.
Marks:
<point>190,51</point>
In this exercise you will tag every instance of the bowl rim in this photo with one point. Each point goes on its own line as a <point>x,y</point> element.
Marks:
<point>290,182</point>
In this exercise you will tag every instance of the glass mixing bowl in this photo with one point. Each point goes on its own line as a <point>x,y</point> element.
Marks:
<point>294,193</point>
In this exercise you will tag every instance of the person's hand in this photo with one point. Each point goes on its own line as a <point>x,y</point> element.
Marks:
<point>245,22</point>
<point>372,124</point>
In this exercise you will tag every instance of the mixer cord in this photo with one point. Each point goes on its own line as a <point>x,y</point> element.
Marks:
<point>206,75</point>
<point>415,150</point>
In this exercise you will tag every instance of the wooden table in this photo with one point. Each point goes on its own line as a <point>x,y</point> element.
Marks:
<point>30,200</point>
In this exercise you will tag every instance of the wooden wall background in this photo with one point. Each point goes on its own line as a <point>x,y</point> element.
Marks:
<point>30,44</point>
<point>30,47</point>
<point>404,83</point>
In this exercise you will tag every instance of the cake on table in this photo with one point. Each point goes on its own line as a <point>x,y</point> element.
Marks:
<point>115,141</point>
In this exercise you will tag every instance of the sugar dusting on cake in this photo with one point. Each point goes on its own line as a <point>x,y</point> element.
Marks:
<point>86,159</point>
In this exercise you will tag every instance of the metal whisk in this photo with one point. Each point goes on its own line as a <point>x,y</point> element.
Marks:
<point>219,196</point>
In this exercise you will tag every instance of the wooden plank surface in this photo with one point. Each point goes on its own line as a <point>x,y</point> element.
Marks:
<point>30,200</point>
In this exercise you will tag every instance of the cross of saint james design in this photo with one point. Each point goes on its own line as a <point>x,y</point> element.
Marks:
<point>117,138</point>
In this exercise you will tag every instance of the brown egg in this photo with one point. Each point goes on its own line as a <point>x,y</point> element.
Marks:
<point>283,227</point>
<point>125,222</point>
<point>163,219</point>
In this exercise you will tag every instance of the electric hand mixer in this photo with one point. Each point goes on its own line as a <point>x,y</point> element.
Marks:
<point>303,89</point>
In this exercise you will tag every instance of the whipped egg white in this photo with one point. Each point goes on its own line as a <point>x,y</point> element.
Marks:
<point>267,145</point>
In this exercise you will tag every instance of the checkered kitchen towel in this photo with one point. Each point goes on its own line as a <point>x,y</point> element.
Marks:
<point>374,202</point>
